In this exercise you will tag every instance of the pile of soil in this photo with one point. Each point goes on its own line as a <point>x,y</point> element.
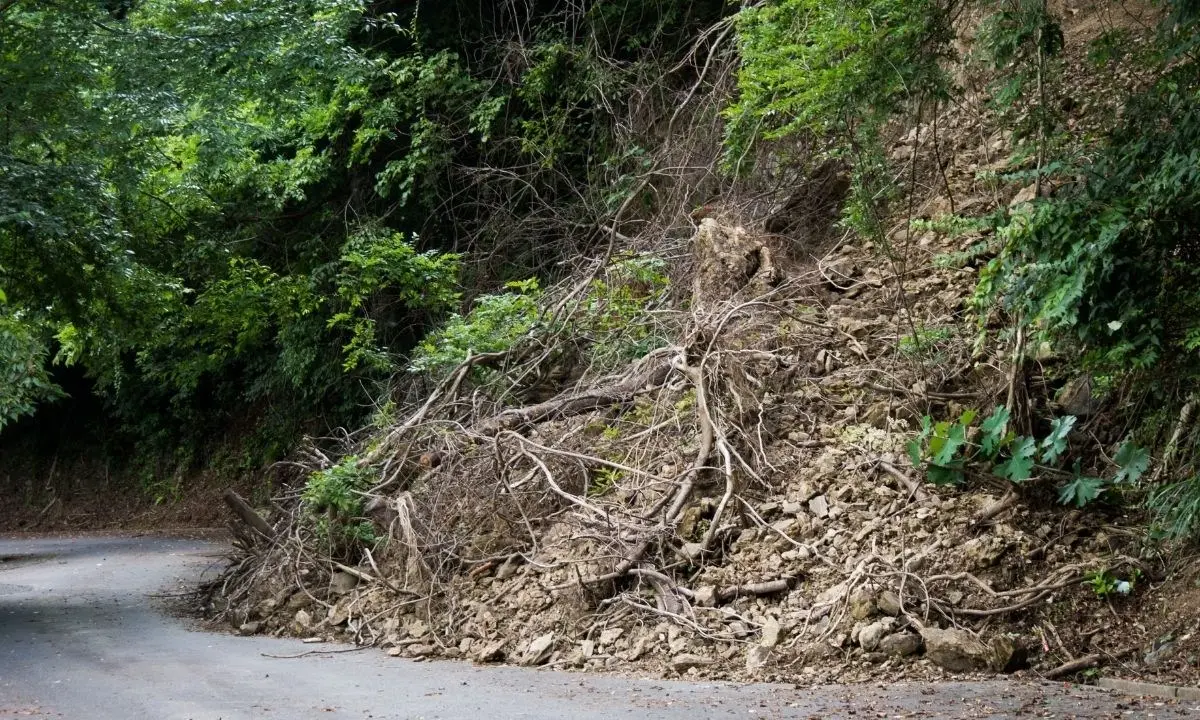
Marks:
<point>738,503</point>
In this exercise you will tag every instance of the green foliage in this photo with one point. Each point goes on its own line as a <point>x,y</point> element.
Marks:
<point>604,480</point>
<point>1175,509</point>
<point>333,502</point>
<point>24,381</point>
<point>948,450</point>
<point>815,69</point>
<point>1105,584</point>
<point>617,310</point>
<point>493,325</point>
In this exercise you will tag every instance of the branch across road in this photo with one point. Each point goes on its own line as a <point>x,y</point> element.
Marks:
<point>82,636</point>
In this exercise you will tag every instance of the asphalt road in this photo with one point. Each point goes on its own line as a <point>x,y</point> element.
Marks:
<point>81,637</point>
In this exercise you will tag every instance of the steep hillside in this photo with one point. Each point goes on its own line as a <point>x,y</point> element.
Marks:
<point>737,446</point>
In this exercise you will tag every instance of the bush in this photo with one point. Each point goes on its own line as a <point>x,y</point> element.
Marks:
<point>333,502</point>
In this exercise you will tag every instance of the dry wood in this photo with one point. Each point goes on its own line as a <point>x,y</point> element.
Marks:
<point>247,514</point>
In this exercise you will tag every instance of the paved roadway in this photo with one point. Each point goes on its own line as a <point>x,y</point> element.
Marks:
<point>81,637</point>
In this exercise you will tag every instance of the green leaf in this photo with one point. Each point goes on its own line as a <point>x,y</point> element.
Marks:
<point>1133,462</point>
<point>1081,491</point>
<point>968,417</point>
<point>1019,467</point>
<point>1055,443</point>
<point>943,475</point>
<point>914,452</point>
<point>994,429</point>
<point>955,436</point>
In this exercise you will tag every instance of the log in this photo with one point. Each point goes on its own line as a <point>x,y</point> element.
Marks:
<point>247,514</point>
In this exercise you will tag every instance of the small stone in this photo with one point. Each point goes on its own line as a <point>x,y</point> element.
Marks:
<point>819,506</point>
<point>706,596</point>
<point>889,603</point>
<point>395,651</point>
<point>757,657</point>
<point>862,604</point>
<point>249,628</point>
<point>900,644</point>
<point>1160,652</point>
<point>770,633</point>
<point>419,650</point>
<point>792,508</point>
<point>686,661</point>
<point>507,570</point>
<point>869,636</point>
<point>539,650</point>
<point>303,618</point>
<point>587,648</point>
<point>610,635</point>
<point>417,628</point>
<point>342,582</point>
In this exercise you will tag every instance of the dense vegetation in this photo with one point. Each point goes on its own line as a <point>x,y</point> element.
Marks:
<point>260,214</point>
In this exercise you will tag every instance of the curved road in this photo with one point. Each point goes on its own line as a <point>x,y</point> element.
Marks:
<point>81,637</point>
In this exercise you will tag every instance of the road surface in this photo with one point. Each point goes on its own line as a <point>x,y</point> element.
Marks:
<point>81,637</point>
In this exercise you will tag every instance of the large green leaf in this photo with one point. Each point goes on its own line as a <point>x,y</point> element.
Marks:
<point>1019,467</point>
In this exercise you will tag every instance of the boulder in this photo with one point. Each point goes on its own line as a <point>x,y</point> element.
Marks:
<point>757,657</point>
<point>900,644</point>
<point>955,650</point>
<point>539,650</point>
<point>770,633</point>
<point>869,637</point>
<point>686,661</point>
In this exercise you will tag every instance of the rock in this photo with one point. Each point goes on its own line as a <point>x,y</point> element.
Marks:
<point>757,657</point>
<point>869,636</point>
<point>419,650</point>
<point>983,552</point>
<point>301,621</point>
<point>770,633</point>
<point>610,635</point>
<point>342,582</point>
<point>507,570</point>
<point>792,508</point>
<point>417,628</point>
<point>1159,651</point>
<point>706,596</point>
<point>819,506</point>
<point>249,628</point>
<point>889,603</point>
<point>955,650</point>
<point>1024,195</point>
<point>539,650</point>
<point>395,651</point>
<point>491,652</point>
<point>686,661</point>
<point>1075,398</point>
<point>900,644</point>
<point>862,604</point>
